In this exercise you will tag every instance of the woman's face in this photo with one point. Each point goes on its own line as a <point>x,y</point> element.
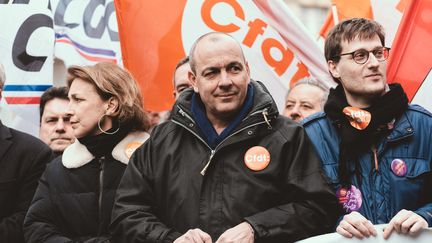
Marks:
<point>86,108</point>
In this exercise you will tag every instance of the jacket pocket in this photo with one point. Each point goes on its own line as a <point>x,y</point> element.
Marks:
<point>409,190</point>
<point>417,167</point>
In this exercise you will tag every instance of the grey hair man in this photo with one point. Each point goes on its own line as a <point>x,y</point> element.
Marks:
<point>305,98</point>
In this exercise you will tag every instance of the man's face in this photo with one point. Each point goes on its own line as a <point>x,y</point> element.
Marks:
<point>181,79</point>
<point>303,101</point>
<point>222,77</point>
<point>360,81</point>
<point>55,129</point>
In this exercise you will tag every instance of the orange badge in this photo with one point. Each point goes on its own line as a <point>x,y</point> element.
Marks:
<point>358,118</point>
<point>257,158</point>
<point>131,147</point>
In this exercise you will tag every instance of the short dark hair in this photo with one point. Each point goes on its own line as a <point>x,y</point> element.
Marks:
<point>179,64</point>
<point>348,30</point>
<point>182,62</point>
<point>50,94</point>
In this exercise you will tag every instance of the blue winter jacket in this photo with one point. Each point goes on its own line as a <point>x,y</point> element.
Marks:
<point>384,194</point>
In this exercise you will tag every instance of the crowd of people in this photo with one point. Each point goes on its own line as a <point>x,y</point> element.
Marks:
<point>225,166</point>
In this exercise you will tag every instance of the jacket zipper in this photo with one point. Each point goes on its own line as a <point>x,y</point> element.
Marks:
<point>101,164</point>
<point>375,156</point>
<point>212,152</point>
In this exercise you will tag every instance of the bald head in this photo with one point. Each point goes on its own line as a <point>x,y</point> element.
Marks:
<point>212,38</point>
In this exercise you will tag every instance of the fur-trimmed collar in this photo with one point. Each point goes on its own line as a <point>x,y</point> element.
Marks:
<point>77,155</point>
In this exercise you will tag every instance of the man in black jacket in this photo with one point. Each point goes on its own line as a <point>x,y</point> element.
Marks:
<point>226,167</point>
<point>22,162</point>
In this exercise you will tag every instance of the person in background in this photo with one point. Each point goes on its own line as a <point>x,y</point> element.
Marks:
<point>55,128</point>
<point>226,168</point>
<point>75,195</point>
<point>181,78</point>
<point>375,147</point>
<point>22,160</point>
<point>180,82</point>
<point>305,98</point>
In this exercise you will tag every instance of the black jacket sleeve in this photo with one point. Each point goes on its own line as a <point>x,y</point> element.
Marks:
<point>314,210</point>
<point>11,226</point>
<point>133,217</point>
<point>40,221</point>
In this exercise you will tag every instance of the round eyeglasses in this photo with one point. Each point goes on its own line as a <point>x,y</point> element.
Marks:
<point>362,56</point>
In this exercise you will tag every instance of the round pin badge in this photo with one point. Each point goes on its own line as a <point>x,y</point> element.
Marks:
<point>358,118</point>
<point>351,199</point>
<point>131,147</point>
<point>257,158</point>
<point>399,167</point>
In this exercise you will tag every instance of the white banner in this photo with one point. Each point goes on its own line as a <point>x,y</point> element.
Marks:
<point>424,237</point>
<point>422,96</point>
<point>86,32</point>
<point>26,50</point>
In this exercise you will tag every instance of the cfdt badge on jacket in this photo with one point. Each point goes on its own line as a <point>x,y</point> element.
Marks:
<point>257,158</point>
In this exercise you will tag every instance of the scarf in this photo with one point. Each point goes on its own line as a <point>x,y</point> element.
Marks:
<point>207,129</point>
<point>359,129</point>
<point>103,144</point>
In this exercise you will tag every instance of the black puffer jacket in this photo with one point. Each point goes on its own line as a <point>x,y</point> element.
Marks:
<point>74,199</point>
<point>163,192</point>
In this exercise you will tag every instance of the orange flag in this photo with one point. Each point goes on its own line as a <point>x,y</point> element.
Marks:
<point>346,9</point>
<point>145,43</point>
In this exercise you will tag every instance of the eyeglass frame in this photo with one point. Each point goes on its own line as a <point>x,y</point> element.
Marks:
<point>352,54</point>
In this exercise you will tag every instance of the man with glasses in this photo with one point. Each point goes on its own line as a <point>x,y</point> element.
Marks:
<point>375,147</point>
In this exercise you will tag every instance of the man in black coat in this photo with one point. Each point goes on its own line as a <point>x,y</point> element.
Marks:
<point>22,162</point>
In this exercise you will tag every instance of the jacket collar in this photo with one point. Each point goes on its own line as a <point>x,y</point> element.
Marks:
<point>403,128</point>
<point>261,100</point>
<point>77,155</point>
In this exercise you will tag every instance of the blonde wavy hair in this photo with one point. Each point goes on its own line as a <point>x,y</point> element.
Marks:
<point>110,80</point>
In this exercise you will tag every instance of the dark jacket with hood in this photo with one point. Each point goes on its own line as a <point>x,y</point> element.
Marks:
<point>74,199</point>
<point>177,182</point>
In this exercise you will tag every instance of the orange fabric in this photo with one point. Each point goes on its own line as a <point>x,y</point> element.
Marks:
<point>151,51</point>
<point>347,9</point>
<point>410,57</point>
<point>357,117</point>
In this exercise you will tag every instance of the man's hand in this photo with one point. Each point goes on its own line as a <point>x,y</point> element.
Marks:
<point>405,222</point>
<point>194,236</point>
<point>355,224</point>
<point>242,233</point>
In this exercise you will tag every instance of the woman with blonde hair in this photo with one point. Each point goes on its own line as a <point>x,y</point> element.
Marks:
<point>75,195</point>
